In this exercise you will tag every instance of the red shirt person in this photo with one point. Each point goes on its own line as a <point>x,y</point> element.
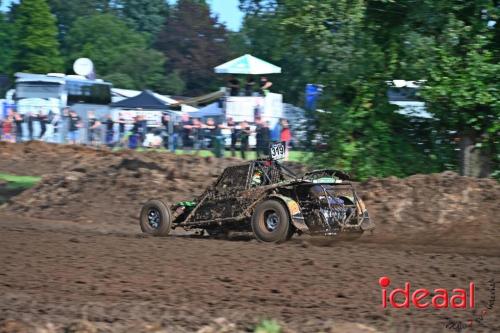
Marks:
<point>286,134</point>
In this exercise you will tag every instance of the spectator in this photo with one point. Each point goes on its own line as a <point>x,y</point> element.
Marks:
<point>143,128</point>
<point>231,125</point>
<point>133,140</point>
<point>110,130</point>
<point>250,86</point>
<point>187,127</point>
<point>50,125</point>
<point>216,139</point>
<point>165,121</point>
<point>7,126</point>
<point>234,86</point>
<point>18,120</point>
<point>74,125</point>
<point>258,136</point>
<point>31,119</point>
<point>206,133</point>
<point>174,138</point>
<point>94,129</point>
<point>245,132</point>
<point>56,123</point>
<point>286,136</point>
<point>262,136</point>
<point>197,135</point>
<point>276,132</point>
<point>121,127</point>
<point>63,125</point>
<point>42,119</point>
<point>265,84</point>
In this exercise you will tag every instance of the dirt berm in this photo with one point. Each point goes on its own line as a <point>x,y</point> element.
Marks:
<point>99,186</point>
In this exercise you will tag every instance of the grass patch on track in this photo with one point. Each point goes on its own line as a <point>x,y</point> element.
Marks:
<point>19,182</point>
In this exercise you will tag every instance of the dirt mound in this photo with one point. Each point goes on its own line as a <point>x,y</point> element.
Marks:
<point>36,158</point>
<point>90,185</point>
<point>104,186</point>
<point>439,206</point>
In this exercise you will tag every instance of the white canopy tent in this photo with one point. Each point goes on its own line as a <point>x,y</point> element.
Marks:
<point>247,64</point>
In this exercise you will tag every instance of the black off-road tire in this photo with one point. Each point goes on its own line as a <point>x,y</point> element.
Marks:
<point>276,230</point>
<point>162,225</point>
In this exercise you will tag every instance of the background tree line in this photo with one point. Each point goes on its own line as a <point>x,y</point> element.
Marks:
<point>352,47</point>
<point>135,44</point>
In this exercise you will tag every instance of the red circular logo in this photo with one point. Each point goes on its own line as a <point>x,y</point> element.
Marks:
<point>384,281</point>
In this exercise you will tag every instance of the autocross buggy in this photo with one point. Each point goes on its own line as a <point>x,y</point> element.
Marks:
<point>265,197</point>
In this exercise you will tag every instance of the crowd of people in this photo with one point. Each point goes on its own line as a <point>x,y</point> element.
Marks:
<point>11,127</point>
<point>189,134</point>
<point>250,87</point>
<point>194,134</point>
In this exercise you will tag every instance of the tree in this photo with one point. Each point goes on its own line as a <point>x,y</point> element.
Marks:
<point>146,16</point>
<point>67,12</point>
<point>194,43</point>
<point>118,52</point>
<point>36,48</point>
<point>6,42</point>
<point>338,44</point>
<point>353,47</point>
<point>463,89</point>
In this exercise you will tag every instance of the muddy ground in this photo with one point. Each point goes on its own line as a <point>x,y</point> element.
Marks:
<point>77,254</point>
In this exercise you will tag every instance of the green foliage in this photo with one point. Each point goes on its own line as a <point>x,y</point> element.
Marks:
<point>174,85</point>
<point>67,12</point>
<point>103,38</point>
<point>268,326</point>
<point>462,90</point>
<point>353,47</point>
<point>194,43</point>
<point>146,16</point>
<point>129,63</point>
<point>120,80</point>
<point>6,42</point>
<point>36,48</point>
<point>14,181</point>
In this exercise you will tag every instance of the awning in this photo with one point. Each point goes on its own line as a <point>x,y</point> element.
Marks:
<point>204,99</point>
<point>145,100</point>
<point>247,64</point>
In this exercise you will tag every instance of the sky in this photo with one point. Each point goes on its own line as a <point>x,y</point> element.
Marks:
<point>227,10</point>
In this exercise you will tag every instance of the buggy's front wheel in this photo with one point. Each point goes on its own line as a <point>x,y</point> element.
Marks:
<point>271,222</point>
<point>155,218</point>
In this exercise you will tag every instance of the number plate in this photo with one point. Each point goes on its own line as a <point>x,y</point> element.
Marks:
<point>277,151</point>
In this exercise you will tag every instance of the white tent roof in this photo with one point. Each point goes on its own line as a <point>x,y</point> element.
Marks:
<point>247,64</point>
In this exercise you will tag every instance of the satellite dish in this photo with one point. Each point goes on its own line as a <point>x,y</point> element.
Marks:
<point>83,66</point>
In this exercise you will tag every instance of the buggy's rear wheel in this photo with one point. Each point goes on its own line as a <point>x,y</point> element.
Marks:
<point>155,218</point>
<point>271,222</point>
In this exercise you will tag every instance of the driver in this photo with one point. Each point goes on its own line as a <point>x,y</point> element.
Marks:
<point>257,178</point>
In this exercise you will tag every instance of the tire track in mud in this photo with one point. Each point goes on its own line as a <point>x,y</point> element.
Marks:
<point>54,272</point>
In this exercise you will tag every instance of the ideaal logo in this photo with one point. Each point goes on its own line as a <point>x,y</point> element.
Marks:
<point>441,298</point>
<point>419,298</point>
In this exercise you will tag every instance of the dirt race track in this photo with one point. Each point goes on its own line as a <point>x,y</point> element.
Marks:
<point>55,272</point>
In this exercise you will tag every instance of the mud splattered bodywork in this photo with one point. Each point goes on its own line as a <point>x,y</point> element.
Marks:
<point>321,202</point>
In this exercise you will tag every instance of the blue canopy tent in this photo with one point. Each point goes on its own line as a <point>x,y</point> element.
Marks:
<point>211,110</point>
